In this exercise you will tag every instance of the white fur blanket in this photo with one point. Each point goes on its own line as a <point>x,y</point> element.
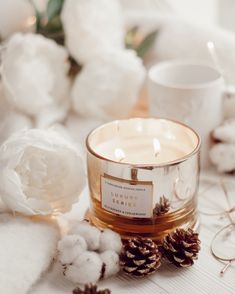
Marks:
<point>26,251</point>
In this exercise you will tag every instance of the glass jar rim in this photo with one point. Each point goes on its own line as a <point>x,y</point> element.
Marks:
<point>147,166</point>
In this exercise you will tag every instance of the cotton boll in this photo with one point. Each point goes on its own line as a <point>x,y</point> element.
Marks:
<point>90,233</point>
<point>85,269</point>
<point>111,263</point>
<point>225,132</point>
<point>34,76</point>
<point>223,156</point>
<point>109,240</point>
<point>70,247</point>
<point>116,78</point>
<point>99,26</point>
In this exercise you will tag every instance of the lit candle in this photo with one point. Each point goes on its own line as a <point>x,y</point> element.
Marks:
<point>132,164</point>
<point>144,141</point>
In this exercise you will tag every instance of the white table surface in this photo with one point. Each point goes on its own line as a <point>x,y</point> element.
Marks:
<point>203,277</point>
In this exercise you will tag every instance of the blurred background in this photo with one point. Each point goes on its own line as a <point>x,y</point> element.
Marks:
<point>208,12</point>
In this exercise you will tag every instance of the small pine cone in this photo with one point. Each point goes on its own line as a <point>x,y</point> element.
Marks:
<point>162,207</point>
<point>90,289</point>
<point>181,247</point>
<point>140,257</point>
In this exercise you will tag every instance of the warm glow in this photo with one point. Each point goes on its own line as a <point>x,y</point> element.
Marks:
<point>119,154</point>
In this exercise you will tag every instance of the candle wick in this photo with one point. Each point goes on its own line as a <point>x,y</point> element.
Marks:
<point>119,154</point>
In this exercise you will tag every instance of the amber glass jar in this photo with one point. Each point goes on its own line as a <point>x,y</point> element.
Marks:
<point>132,164</point>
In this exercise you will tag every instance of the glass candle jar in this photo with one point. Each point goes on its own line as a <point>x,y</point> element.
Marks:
<point>143,176</point>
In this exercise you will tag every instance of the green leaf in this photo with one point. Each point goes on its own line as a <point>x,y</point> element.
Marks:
<point>54,8</point>
<point>38,20</point>
<point>146,44</point>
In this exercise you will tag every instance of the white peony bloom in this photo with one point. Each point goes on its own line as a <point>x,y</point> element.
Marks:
<point>40,172</point>
<point>108,85</point>
<point>34,76</point>
<point>92,26</point>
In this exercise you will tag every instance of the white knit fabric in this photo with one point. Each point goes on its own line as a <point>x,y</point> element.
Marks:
<point>26,251</point>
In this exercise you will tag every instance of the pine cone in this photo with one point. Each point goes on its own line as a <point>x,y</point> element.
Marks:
<point>140,257</point>
<point>162,207</point>
<point>90,289</point>
<point>181,247</point>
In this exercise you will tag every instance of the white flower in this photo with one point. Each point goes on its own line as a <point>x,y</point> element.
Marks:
<point>86,268</point>
<point>108,85</point>
<point>34,76</point>
<point>92,26</point>
<point>16,16</point>
<point>40,172</point>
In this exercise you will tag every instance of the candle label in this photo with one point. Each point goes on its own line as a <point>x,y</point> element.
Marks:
<point>127,198</point>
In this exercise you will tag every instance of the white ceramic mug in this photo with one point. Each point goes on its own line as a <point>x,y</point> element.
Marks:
<point>188,92</point>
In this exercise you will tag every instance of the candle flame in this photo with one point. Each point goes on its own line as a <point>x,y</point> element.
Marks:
<point>156,146</point>
<point>119,154</point>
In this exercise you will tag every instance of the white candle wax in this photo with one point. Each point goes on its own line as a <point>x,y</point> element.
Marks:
<point>140,150</point>
<point>144,141</point>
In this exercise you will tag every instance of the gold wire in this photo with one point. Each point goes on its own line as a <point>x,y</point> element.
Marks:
<point>232,223</point>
